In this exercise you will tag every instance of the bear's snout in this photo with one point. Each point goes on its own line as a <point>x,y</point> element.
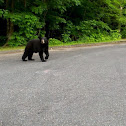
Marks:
<point>43,41</point>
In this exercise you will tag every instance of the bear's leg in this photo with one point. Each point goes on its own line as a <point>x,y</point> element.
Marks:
<point>47,53</point>
<point>24,56</point>
<point>30,56</point>
<point>41,56</point>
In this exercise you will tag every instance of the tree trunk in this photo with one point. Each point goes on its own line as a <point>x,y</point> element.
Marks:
<point>10,25</point>
<point>119,26</point>
<point>10,30</point>
<point>25,3</point>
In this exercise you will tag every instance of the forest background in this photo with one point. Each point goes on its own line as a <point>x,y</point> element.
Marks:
<point>63,21</point>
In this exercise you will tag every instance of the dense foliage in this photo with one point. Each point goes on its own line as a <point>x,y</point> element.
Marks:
<point>65,20</point>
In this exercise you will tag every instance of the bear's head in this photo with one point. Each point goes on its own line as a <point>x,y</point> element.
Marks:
<point>43,40</point>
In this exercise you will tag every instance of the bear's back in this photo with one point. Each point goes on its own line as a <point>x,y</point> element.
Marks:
<point>34,45</point>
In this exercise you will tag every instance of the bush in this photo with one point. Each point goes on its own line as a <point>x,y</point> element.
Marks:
<point>53,41</point>
<point>26,25</point>
<point>17,40</point>
<point>123,32</point>
<point>89,31</point>
<point>2,40</point>
<point>66,37</point>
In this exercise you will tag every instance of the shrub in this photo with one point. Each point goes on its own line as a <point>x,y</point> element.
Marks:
<point>53,41</point>
<point>26,28</point>
<point>123,32</point>
<point>2,40</point>
<point>90,31</point>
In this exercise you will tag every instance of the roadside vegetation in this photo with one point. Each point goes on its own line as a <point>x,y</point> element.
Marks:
<point>65,22</point>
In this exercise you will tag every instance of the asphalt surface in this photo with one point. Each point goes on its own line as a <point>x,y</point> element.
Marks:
<point>75,87</point>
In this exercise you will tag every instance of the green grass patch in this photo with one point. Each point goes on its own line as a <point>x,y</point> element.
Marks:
<point>11,48</point>
<point>55,42</point>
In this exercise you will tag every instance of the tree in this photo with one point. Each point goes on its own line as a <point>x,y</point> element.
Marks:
<point>66,20</point>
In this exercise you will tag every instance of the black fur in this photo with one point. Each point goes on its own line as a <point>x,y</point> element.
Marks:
<point>36,46</point>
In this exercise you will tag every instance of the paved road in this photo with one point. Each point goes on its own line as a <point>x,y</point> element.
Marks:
<point>75,87</point>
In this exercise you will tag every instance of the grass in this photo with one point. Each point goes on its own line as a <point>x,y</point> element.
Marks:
<point>11,48</point>
<point>59,43</point>
<point>81,42</point>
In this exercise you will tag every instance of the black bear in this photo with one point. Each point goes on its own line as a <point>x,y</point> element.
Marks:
<point>36,45</point>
